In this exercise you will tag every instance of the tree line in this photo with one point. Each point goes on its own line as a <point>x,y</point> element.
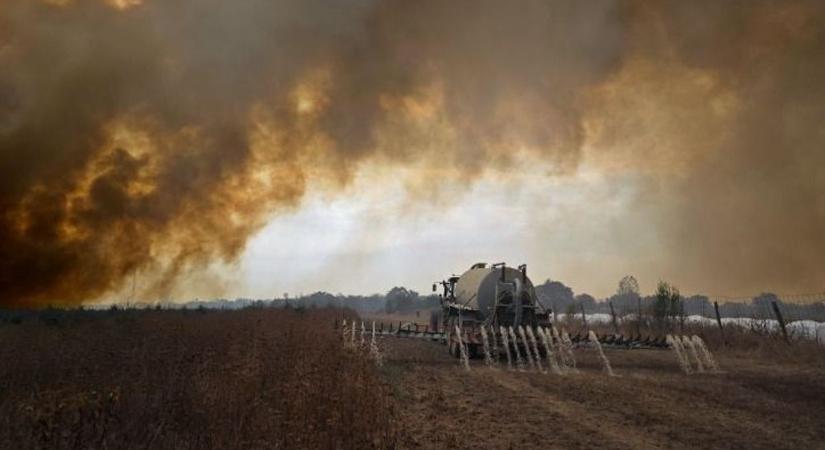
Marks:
<point>667,303</point>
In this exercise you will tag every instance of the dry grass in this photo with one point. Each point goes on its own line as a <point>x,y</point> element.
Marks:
<point>753,342</point>
<point>264,378</point>
<point>755,402</point>
<point>175,379</point>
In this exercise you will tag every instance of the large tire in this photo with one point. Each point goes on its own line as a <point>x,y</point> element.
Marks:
<point>473,351</point>
<point>454,350</point>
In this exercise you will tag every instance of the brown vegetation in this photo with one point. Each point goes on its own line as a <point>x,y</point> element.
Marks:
<point>757,341</point>
<point>188,379</point>
<point>760,400</point>
<point>269,378</point>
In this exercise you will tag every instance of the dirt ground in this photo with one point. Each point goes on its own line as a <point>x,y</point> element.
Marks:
<point>752,404</point>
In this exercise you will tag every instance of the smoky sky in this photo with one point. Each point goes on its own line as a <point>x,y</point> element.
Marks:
<point>158,136</point>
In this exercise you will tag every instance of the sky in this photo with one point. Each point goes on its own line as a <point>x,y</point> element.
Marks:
<point>375,238</point>
<point>202,148</point>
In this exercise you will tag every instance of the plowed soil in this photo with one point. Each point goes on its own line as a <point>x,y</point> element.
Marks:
<point>752,404</point>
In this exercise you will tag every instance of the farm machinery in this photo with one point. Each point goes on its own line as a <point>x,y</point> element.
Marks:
<point>487,301</point>
<point>499,304</point>
<point>496,297</point>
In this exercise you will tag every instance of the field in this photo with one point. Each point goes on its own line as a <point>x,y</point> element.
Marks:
<point>753,404</point>
<point>188,380</point>
<point>267,378</point>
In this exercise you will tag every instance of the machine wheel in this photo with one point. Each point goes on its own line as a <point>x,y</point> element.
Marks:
<point>454,350</point>
<point>472,351</point>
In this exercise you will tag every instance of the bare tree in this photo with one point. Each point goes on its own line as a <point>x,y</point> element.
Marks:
<point>627,295</point>
<point>628,286</point>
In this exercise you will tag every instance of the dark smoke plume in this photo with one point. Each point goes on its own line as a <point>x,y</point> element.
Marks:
<point>156,136</point>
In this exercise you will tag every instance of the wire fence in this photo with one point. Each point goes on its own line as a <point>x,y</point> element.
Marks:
<point>793,307</point>
<point>803,315</point>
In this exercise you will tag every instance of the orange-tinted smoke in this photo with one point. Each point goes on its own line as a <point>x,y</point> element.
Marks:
<point>156,136</point>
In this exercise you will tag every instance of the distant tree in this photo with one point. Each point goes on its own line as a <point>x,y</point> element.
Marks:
<point>667,304</point>
<point>400,299</point>
<point>698,305</point>
<point>626,299</point>
<point>764,299</point>
<point>677,307</point>
<point>761,305</point>
<point>587,301</point>
<point>554,294</point>
<point>321,299</point>
<point>661,302</point>
<point>628,286</point>
<point>571,310</point>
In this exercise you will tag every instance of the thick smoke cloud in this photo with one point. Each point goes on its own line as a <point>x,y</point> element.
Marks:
<point>723,101</point>
<point>157,136</point>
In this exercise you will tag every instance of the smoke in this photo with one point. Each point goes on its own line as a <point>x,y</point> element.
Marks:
<point>157,136</point>
<point>723,105</point>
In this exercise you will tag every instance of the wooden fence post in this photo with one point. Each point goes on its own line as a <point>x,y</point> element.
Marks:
<point>613,315</point>
<point>781,320</point>
<point>719,322</point>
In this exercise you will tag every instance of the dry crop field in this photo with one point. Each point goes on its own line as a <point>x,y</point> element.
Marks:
<point>767,395</point>
<point>188,379</point>
<point>270,378</point>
